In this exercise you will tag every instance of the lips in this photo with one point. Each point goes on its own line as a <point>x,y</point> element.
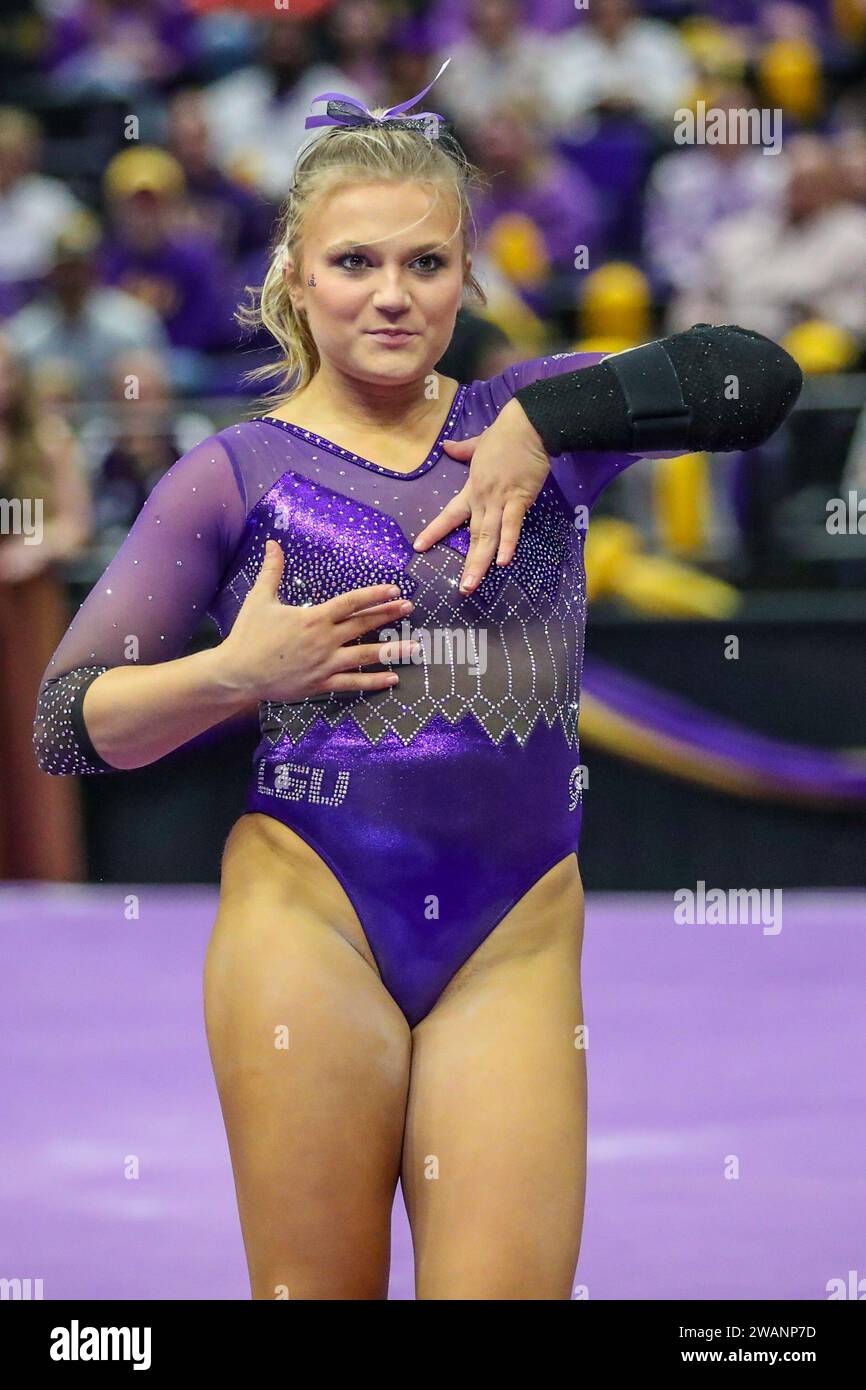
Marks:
<point>390,335</point>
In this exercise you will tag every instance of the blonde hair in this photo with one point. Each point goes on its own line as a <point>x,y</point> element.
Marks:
<point>345,155</point>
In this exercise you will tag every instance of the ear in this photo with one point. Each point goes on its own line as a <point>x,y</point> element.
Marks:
<point>291,278</point>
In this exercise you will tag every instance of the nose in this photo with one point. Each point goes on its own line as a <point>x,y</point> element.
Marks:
<point>391,294</point>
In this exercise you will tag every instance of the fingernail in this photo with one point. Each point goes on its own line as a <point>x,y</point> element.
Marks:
<point>468,581</point>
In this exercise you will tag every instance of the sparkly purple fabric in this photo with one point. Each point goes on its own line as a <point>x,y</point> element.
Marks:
<point>436,803</point>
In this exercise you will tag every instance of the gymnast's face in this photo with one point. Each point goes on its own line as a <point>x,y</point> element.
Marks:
<point>383,256</point>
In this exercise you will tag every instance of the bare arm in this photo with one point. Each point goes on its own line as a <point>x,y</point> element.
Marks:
<point>136,714</point>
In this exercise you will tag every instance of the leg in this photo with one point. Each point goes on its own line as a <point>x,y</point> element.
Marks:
<point>314,1128</point>
<point>494,1161</point>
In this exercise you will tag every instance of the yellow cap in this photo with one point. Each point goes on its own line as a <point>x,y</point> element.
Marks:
<point>517,247</point>
<point>820,346</point>
<point>145,168</point>
<point>717,49</point>
<point>616,303</point>
<point>790,73</point>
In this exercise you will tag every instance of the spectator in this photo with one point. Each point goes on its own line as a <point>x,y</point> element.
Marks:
<point>355,33</point>
<point>851,144</point>
<point>76,327</point>
<point>144,438</point>
<point>691,190</point>
<point>478,349</point>
<point>98,48</point>
<point>617,63</point>
<point>236,216</point>
<point>772,270</point>
<point>32,207</point>
<point>529,180</point>
<point>449,20</point>
<point>256,115</point>
<point>407,57</point>
<point>44,520</point>
<point>182,276</point>
<point>497,58</point>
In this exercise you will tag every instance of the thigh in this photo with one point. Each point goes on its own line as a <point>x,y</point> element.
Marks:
<point>311,1059</point>
<point>494,1161</point>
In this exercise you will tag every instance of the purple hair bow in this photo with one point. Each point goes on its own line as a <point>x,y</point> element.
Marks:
<point>348,111</point>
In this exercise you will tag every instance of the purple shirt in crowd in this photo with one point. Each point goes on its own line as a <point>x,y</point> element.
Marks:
<point>183,279</point>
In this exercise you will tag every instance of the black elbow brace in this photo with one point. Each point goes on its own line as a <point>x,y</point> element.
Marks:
<point>708,388</point>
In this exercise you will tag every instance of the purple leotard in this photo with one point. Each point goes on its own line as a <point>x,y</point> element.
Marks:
<point>438,803</point>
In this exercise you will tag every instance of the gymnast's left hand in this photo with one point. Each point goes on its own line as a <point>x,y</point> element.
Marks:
<point>507,471</point>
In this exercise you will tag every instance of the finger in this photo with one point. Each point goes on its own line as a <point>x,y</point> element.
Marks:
<point>482,547</point>
<point>270,575</point>
<point>343,606</point>
<point>374,653</point>
<point>462,449</point>
<point>371,618</point>
<point>360,680</point>
<point>512,522</point>
<point>454,514</point>
<point>393,606</point>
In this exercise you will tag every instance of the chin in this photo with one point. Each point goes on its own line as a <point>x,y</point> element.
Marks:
<point>392,365</point>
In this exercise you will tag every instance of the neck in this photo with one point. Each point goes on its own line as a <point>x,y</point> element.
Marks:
<point>365,405</point>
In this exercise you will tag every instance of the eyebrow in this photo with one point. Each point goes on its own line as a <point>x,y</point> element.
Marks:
<point>344,246</point>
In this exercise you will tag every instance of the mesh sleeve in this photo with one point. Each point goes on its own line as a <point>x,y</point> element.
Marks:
<point>514,378</point>
<point>148,603</point>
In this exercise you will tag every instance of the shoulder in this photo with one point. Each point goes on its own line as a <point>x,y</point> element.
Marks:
<point>756,227</point>
<point>208,461</point>
<point>122,315</point>
<point>657,35</point>
<point>28,326</point>
<point>850,222</point>
<point>244,83</point>
<point>684,168</point>
<point>202,490</point>
<point>46,194</point>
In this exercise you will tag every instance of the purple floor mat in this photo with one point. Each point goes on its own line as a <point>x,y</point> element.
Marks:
<point>707,1044</point>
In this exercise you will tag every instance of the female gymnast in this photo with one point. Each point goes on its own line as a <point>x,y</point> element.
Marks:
<point>392,985</point>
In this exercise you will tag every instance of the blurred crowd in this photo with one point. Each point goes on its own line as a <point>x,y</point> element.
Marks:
<point>146,146</point>
<point>649,165</point>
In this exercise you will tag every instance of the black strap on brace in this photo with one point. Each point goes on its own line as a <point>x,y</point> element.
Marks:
<point>658,415</point>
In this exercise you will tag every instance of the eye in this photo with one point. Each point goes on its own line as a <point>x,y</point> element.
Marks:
<point>434,262</point>
<point>427,264</point>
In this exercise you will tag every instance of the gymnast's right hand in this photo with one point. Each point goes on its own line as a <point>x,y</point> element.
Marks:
<point>282,652</point>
